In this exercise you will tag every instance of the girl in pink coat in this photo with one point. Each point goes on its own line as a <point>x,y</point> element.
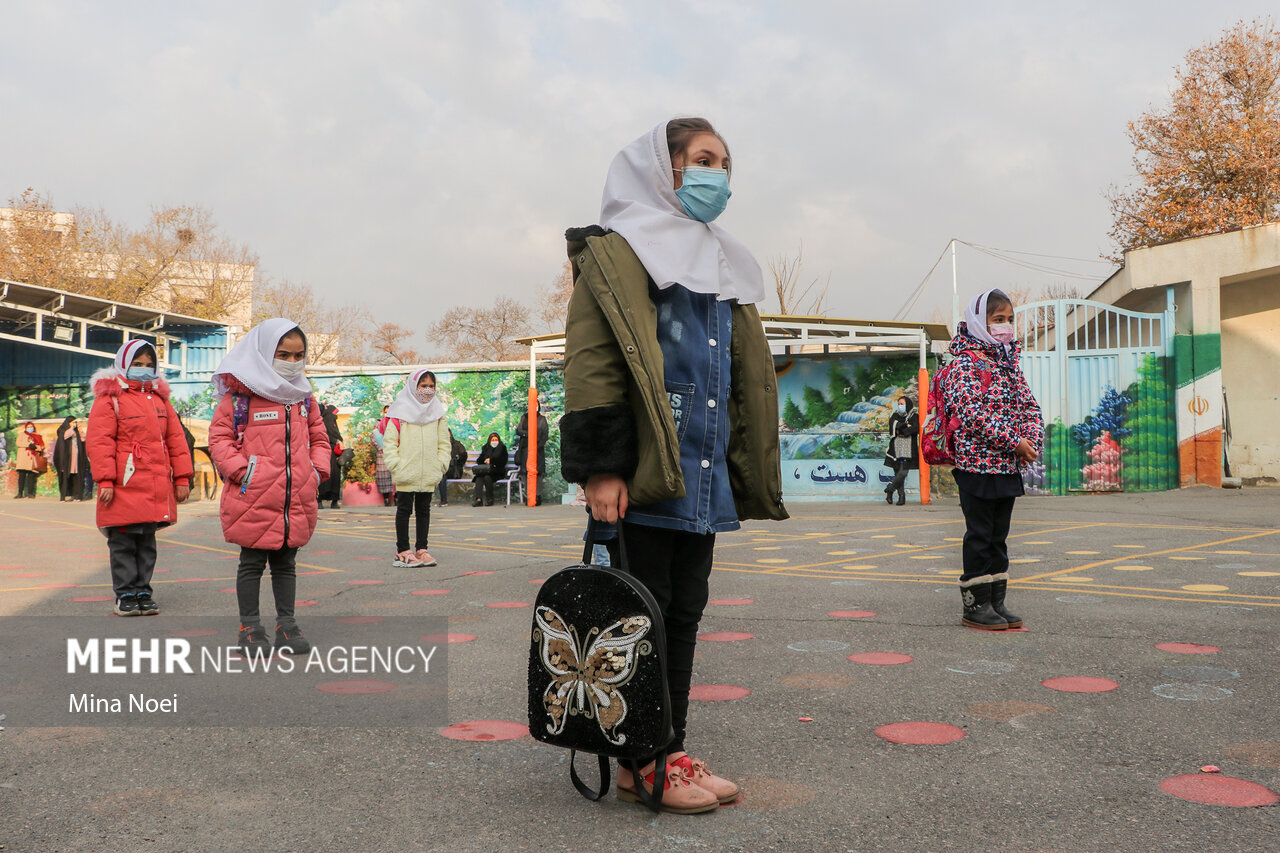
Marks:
<point>268,441</point>
<point>142,466</point>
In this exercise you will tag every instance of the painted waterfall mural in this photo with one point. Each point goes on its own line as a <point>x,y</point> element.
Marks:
<point>835,420</point>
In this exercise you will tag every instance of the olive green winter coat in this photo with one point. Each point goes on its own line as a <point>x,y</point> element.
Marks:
<point>618,417</point>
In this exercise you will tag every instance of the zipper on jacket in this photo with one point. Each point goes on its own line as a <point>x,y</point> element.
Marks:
<point>288,474</point>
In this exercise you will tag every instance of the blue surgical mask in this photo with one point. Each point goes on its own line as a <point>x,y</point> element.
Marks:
<point>704,192</point>
<point>141,374</point>
<point>902,408</point>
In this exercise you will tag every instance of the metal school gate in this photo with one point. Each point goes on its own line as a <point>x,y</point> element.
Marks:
<point>1104,380</point>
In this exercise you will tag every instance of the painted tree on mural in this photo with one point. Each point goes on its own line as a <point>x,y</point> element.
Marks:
<point>1108,416</point>
<point>1210,160</point>
<point>1150,448</point>
<point>792,416</point>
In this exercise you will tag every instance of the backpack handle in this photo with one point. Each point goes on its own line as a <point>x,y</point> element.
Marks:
<point>591,540</point>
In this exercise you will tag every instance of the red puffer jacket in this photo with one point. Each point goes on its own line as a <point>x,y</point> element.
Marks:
<point>136,418</point>
<point>277,508</point>
<point>989,393</point>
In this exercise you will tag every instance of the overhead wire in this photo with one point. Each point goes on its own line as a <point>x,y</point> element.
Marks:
<point>915,296</point>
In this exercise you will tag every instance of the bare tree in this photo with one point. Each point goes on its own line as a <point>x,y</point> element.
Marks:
<point>334,335</point>
<point>553,300</point>
<point>811,301</point>
<point>39,245</point>
<point>481,334</point>
<point>390,345</point>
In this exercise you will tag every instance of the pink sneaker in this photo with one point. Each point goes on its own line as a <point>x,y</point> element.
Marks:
<point>407,560</point>
<point>425,559</point>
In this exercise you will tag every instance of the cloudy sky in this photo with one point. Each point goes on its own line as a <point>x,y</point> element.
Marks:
<point>410,156</point>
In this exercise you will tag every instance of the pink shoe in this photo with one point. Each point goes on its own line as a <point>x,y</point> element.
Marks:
<point>679,794</point>
<point>407,560</point>
<point>696,769</point>
<point>426,559</point>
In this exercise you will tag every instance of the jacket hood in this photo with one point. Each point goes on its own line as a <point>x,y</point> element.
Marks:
<point>111,382</point>
<point>964,342</point>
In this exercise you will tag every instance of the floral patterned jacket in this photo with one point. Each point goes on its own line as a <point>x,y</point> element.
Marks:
<point>987,390</point>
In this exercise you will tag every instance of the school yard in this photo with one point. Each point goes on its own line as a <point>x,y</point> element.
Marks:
<point>1149,654</point>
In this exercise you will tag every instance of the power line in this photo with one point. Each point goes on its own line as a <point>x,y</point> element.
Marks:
<point>1039,255</point>
<point>915,296</point>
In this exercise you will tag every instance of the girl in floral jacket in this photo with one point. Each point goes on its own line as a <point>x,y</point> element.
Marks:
<point>1000,430</point>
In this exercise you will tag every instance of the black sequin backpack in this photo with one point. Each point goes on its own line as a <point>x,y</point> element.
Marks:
<point>598,669</point>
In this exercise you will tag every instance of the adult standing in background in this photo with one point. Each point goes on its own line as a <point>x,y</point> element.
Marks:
<point>903,453</point>
<point>331,489</point>
<point>31,462</point>
<point>70,461</point>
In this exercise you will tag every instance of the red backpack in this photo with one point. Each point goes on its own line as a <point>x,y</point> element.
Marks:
<point>937,433</point>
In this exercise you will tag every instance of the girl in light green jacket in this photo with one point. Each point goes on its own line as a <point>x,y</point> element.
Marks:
<point>416,449</point>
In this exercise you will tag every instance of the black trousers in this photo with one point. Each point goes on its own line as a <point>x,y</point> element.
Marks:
<point>484,483</point>
<point>284,583</point>
<point>986,529</point>
<point>71,486</point>
<point>899,484</point>
<point>27,483</point>
<point>132,552</point>
<point>417,504</point>
<point>676,568</point>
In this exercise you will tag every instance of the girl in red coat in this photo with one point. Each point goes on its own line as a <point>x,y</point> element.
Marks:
<point>268,441</point>
<point>142,466</point>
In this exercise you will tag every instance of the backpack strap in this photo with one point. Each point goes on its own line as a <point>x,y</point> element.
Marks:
<point>239,413</point>
<point>593,796</point>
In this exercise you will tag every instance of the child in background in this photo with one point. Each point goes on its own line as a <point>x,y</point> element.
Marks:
<point>142,467</point>
<point>267,439</point>
<point>417,449</point>
<point>382,474</point>
<point>1000,430</point>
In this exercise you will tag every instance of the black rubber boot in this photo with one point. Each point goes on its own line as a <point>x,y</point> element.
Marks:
<point>999,583</point>
<point>975,594</point>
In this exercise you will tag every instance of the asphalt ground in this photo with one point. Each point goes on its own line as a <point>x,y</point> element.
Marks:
<point>1106,584</point>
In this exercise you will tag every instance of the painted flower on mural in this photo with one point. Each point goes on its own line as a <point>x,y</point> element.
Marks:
<point>1102,474</point>
<point>1108,416</point>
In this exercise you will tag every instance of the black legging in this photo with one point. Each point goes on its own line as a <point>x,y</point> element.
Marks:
<point>419,505</point>
<point>986,520</point>
<point>284,583</point>
<point>676,568</point>
<point>27,483</point>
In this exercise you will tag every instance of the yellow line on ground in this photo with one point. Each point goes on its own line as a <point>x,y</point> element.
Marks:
<point>1157,597</point>
<point>1133,557</point>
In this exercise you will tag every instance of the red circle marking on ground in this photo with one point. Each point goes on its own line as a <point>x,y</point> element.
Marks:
<point>365,583</point>
<point>193,551</point>
<point>306,602</point>
<point>717,692</point>
<point>507,604</point>
<point>228,589</point>
<point>169,570</point>
<point>360,620</point>
<point>852,614</point>
<point>1218,790</point>
<point>881,658</point>
<point>430,592</point>
<point>1080,684</point>
<point>315,572</point>
<point>356,686</point>
<point>448,638</point>
<point>1188,648</point>
<point>193,632</point>
<point>538,580</point>
<point>923,733</point>
<point>93,598</point>
<point>477,573</point>
<point>725,636</point>
<point>732,601</point>
<point>485,730</point>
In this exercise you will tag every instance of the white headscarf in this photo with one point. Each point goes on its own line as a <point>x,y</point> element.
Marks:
<point>126,354</point>
<point>409,409</point>
<point>250,362</point>
<point>975,316</point>
<point>641,205</point>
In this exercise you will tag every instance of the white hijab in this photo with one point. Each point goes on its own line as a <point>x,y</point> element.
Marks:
<point>975,317</point>
<point>407,408</point>
<point>250,362</point>
<point>641,205</point>
<point>126,354</point>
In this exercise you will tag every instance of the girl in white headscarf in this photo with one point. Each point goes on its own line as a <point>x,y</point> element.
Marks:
<point>416,448</point>
<point>662,315</point>
<point>268,441</point>
<point>1000,430</point>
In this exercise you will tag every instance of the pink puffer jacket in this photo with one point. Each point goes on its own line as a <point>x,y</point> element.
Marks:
<point>277,508</point>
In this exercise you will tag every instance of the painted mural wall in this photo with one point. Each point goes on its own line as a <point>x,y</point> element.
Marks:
<point>834,425</point>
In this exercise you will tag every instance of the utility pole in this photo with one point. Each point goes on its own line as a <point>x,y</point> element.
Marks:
<point>955,291</point>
